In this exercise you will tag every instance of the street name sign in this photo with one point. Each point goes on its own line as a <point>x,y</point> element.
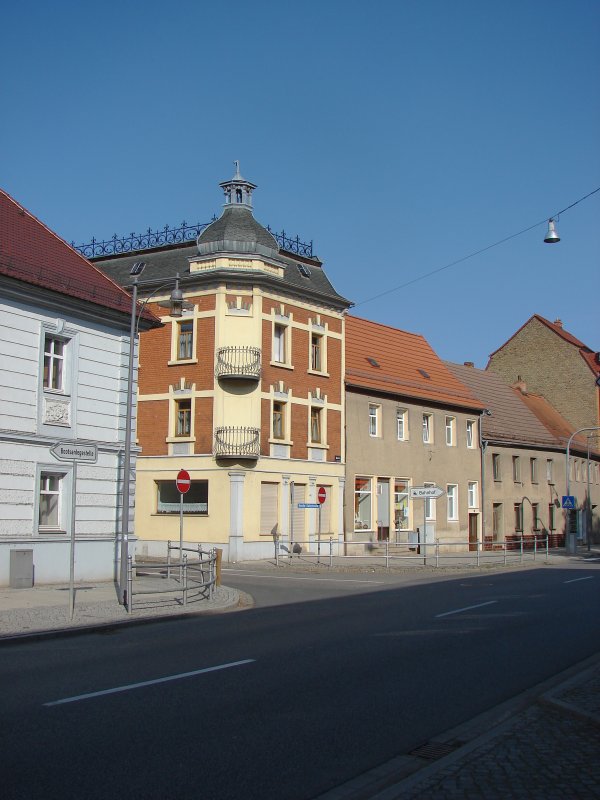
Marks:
<point>309,505</point>
<point>426,492</point>
<point>568,501</point>
<point>69,451</point>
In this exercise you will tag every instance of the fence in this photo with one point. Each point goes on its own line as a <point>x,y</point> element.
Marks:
<point>187,579</point>
<point>333,552</point>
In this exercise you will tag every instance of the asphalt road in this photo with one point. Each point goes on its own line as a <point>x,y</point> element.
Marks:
<point>290,698</point>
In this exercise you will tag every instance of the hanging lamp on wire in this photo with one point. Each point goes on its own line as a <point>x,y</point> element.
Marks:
<point>551,236</point>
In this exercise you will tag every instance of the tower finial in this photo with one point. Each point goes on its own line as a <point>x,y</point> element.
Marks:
<point>237,170</point>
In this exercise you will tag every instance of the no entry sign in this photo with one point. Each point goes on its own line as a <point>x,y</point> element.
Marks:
<point>183,481</point>
<point>322,494</point>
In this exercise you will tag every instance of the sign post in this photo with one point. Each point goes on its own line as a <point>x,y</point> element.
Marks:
<point>70,451</point>
<point>183,483</point>
<point>425,493</point>
<point>321,497</point>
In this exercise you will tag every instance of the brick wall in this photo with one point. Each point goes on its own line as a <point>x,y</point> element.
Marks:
<point>153,425</point>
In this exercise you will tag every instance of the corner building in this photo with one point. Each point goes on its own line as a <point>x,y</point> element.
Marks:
<point>244,391</point>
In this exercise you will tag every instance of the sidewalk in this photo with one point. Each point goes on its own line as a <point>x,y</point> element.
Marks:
<point>45,609</point>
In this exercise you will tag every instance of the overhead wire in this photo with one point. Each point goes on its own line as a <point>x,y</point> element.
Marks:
<point>474,253</point>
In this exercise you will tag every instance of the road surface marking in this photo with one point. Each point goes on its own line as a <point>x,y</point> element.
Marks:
<point>290,578</point>
<point>466,608</point>
<point>574,580</point>
<point>129,686</point>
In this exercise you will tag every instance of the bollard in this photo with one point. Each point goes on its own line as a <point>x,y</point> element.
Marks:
<point>219,557</point>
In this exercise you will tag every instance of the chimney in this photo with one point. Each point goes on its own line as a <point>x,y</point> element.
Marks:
<point>469,363</point>
<point>558,323</point>
<point>520,385</point>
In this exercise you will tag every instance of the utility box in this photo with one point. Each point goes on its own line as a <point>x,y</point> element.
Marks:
<point>21,569</point>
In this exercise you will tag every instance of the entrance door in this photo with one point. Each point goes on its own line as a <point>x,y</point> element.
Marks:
<point>383,509</point>
<point>473,531</point>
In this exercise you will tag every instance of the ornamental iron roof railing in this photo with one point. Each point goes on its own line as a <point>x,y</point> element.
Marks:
<point>236,442</point>
<point>238,362</point>
<point>184,234</point>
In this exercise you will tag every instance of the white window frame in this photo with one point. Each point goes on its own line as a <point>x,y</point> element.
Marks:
<point>281,344</point>
<point>430,504</point>
<point>284,415</point>
<point>452,495</point>
<point>188,338</point>
<point>65,475</point>
<point>321,369</point>
<point>359,493</point>
<point>470,433</point>
<point>399,497</point>
<point>374,420</point>
<point>427,428</point>
<point>450,424</point>
<point>177,434</point>
<point>402,424</point>
<point>473,494</point>
<point>316,412</point>
<point>52,359</point>
<point>190,506</point>
<point>550,470</point>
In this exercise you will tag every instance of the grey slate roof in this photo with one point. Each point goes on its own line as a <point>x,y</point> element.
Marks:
<point>511,420</point>
<point>237,231</point>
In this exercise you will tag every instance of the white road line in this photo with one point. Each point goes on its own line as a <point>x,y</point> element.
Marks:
<point>574,580</point>
<point>129,686</point>
<point>466,608</point>
<point>292,578</point>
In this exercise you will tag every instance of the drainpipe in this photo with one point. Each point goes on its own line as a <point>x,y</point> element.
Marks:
<point>482,448</point>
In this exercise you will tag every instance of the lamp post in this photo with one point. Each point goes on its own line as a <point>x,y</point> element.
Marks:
<point>570,543</point>
<point>176,304</point>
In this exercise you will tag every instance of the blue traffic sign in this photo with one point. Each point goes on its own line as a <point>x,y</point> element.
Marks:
<point>568,501</point>
<point>309,505</point>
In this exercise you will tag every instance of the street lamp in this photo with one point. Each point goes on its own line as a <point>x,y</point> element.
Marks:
<point>570,543</point>
<point>176,304</point>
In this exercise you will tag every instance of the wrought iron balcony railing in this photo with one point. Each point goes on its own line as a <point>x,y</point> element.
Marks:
<point>236,442</point>
<point>238,362</point>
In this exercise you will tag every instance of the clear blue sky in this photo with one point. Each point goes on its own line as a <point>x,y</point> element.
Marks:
<point>399,136</point>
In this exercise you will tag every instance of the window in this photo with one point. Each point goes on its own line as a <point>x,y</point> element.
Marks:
<point>401,504</point>
<point>427,428</point>
<point>183,418</point>
<point>470,433</point>
<point>551,525</point>
<point>185,340</point>
<point>550,470</point>
<point>54,363</point>
<point>473,494</point>
<point>362,503</point>
<point>533,464</point>
<point>429,504</point>
<point>402,424</point>
<point>497,520</point>
<point>315,424</point>
<point>450,427</point>
<point>279,348</point>
<point>452,492</point>
<point>316,353</point>
<point>516,463</point>
<point>374,413</point>
<point>269,493</point>
<point>51,487</point>
<point>496,472</point>
<point>278,420</point>
<point>536,516</point>
<point>518,509</point>
<point>195,500</point>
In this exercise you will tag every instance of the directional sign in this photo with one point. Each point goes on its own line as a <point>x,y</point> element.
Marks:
<point>568,501</point>
<point>183,481</point>
<point>426,492</point>
<point>69,451</point>
<point>309,505</point>
<point>322,494</point>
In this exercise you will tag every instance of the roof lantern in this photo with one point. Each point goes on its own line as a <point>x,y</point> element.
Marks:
<point>238,191</point>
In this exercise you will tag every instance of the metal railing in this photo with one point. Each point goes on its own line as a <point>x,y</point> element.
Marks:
<point>189,580</point>
<point>236,442</point>
<point>238,362</point>
<point>332,552</point>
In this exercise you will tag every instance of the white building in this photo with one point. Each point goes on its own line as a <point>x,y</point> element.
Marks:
<point>64,343</point>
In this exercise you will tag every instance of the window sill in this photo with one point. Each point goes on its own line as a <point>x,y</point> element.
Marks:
<point>182,362</point>
<point>318,445</point>
<point>174,439</point>
<point>287,442</point>
<point>280,364</point>
<point>318,372</point>
<point>176,514</point>
<point>51,531</point>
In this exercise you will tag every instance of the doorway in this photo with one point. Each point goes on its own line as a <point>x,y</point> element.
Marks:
<point>473,531</point>
<point>383,509</point>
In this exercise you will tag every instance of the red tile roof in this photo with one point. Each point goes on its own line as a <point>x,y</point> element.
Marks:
<point>555,423</point>
<point>396,362</point>
<point>32,253</point>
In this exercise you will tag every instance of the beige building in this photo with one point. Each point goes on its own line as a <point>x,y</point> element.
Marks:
<point>245,391</point>
<point>524,467</point>
<point>409,423</point>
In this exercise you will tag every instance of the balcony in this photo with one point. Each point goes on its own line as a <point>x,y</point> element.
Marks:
<point>238,362</point>
<point>234,442</point>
